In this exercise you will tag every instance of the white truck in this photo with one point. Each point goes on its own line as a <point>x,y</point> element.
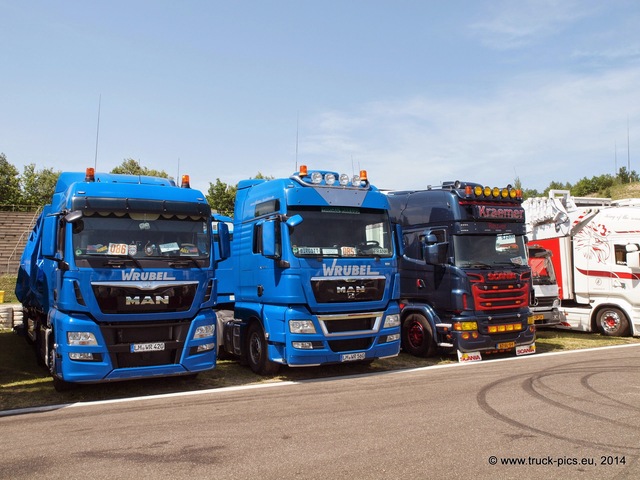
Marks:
<point>545,302</point>
<point>595,245</point>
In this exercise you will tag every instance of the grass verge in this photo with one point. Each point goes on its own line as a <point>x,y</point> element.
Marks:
<point>8,285</point>
<point>24,384</point>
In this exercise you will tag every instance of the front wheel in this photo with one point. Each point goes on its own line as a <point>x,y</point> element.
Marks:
<point>257,354</point>
<point>417,336</point>
<point>612,322</point>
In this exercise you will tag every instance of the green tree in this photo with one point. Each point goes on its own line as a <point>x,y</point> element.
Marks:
<point>132,167</point>
<point>10,181</point>
<point>38,186</point>
<point>624,176</point>
<point>261,176</point>
<point>556,186</point>
<point>221,197</point>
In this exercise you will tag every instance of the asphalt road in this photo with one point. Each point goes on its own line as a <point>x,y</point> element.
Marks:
<point>574,415</point>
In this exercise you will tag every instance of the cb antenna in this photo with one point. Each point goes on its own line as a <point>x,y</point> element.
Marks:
<point>95,161</point>
<point>297,129</point>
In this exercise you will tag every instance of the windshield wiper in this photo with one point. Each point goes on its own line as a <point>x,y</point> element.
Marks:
<point>120,260</point>
<point>475,264</point>
<point>178,262</point>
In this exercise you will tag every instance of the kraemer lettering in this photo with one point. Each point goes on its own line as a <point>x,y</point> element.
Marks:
<point>513,213</point>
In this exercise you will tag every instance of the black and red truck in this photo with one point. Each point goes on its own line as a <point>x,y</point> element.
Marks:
<point>465,283</point>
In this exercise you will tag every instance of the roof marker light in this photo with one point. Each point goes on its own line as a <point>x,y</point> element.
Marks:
<point>329,178</point>
<point>316,177</point>
<point>477,190</point>
<point>344,179</point>
<point>487,191</point>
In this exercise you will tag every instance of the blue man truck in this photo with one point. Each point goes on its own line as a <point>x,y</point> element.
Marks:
<point>464,279</point>
<point>117,280</point>
<point>314,272</point>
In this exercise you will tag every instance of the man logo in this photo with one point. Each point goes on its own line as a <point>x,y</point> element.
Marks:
<point>147,300</point>
<point>351,291</point>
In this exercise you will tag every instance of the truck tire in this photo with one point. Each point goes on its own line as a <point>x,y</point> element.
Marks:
<point>612,322</point>
<point>257,355</point>
<point>417,336</point>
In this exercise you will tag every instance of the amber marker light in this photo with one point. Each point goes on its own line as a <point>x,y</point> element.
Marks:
<point>185,182</point>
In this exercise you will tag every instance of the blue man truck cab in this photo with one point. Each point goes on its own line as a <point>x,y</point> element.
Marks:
<point>314,272</point>
<point>464,279</point>
<point>117,280</point>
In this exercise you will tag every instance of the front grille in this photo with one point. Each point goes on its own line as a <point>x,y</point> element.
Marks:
<point>500,295</point>
<point>348,345</point>
<point>544,302</point>
<point>333,290</point>
<point>119,339</point>
<point>114,298</point>
<point>348,323</point>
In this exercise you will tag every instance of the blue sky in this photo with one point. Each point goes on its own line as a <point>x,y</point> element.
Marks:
<point>414,91</point>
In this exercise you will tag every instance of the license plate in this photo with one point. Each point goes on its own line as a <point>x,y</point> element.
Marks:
<point>147,347</point>
<point>350,357</point>
<point>506,345</point>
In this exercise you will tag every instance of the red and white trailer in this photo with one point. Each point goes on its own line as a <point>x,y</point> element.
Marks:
<point>595,245</point>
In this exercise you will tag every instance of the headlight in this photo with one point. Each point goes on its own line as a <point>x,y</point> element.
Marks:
<point>81,338</point>
<point>392,321</point>
<point>81,356</point>
<point>301,326</point>
<point>205,331</point>
<point>205,348</point>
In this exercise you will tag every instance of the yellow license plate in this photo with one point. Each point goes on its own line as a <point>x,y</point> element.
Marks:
<point>506,345</point>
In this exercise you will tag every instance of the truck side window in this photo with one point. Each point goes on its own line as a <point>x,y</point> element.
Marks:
<point>257,239</point>
<point>621,254</point>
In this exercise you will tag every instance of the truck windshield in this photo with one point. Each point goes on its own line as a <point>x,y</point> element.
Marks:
<point>341,232</point>
<point>141,236</point>
<point>542,270</point>
<point>489,251</point>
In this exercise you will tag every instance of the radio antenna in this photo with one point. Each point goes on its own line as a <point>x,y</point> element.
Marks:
<point>297,130</point>
<point>95,161</point>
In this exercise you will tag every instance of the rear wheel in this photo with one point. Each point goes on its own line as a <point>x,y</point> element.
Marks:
<point>257,354</point>
<point>417,336</point>
<point>612,322</point>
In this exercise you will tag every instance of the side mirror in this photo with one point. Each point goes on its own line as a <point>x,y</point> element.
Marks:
<point>224,244</point>
<point>49,237</point>
<point>73,217</point>
<point>633,257</point>
<point>435,254</point>
<point>270,243</point>
<point>294,220</point>
<point>399,239</point>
